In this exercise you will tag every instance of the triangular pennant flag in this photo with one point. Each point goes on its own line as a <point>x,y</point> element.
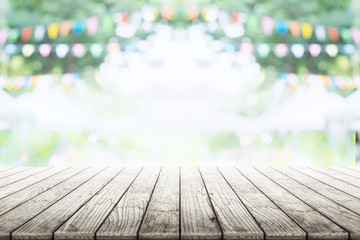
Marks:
<point>78,27</point>
<point>295,29</point>
<point>39,33</point>
<point>11,49</point>
<point>26,34</point>
<point>306,30</point>
<point>192,12</point>
<point>331,49</point>
<point>107,23</point>
<point>13,35</point>
<point>235,17</point>
<point>4,34</point>
<point>113,47</point>
<point>53,30</point>
<point>281,27</point>
<point>62,50</point>
<point>355,33</point>
<point>281,50</point>
<point>96,49</point>
<point>263,49</point>
<point>298,50</point>
<point>28,50</point>
<point>346,35</point>
<point>45,50</point>
<point>314,49</point>
<point>167,12</point>
<point>79,50</point>
<point>246,47</point>
<point>320,32</point>
<point>349,49</point>
<point>65,28</point>
<point>125,17</point>
<point>92,24</point>
<point>252,23</point>
<point>333,34</point>
<point>268,25</point>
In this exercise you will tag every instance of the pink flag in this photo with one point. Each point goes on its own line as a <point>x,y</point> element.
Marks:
<point>45,50</point>
<point>355,33</point>
<point>268,25</point>
<point>92,24</point>
<point>314,50</point>
<point>4,34</point>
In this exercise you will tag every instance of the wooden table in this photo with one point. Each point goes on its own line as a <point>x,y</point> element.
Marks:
<point>173,203</point>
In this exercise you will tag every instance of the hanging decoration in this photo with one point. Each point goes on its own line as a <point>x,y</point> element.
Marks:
<point>314,49</point>
<point>45,50</point>
<point>92,24</point>
<point>39,33</point>
<point>23,83</point>
<point>267,24</point>
<point>320,33</point>
<point>26,34</point>
<point>333,34</point>
<point>281,50</point>
<point>53,30</point>
<point>293,80</point>
<point>298,50</point>
<point>4,34</point>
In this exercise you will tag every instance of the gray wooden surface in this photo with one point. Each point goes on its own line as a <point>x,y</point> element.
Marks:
<point>179,203</point>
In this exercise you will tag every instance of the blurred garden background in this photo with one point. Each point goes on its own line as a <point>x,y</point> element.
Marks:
<point>179,82</point>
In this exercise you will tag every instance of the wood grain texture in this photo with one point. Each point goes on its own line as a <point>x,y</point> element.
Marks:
<point>334,182</point>
<point>347,171</point>
<point>333,194</point>
<point>84,223</point>
<point>21,175</point>
<point>6,191</point>
<point>11,171</point>
<point>315,224</point>
<point>124,220</point>
<point>55,176</point>
<point>275,223</point>
<point>44,224</point>
<point>198,220</point>
<point>235,220</point>
<point>161,220</point>
<point>16,217</point>
<point>348,220</point>
<point>338,175</point>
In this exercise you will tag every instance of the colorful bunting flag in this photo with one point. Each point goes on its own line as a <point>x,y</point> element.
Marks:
<point>79,50</point>
<point>314,49</point>
<point>263,49</point>
<point>65,28</point>
<point>306,30</point>
<point>320,33</point>
<point>28,50</point>
<point>26,34</point>
<point>331,49</point>
<point>45,49</point>
<point>355,33</point>
<point>298,50</point>
<point>78,27</point>
<point>281,27</point>
<point>4,34</point>
<point>53,30</point>
<point>295,29</point>
<point>333,34</point>
<point>62,50</point>
<point>39,33</point>
<point>281,50</point>
<point>92,24</point>
<point>268,25</point>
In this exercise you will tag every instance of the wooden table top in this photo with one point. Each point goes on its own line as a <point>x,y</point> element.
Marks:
<point>179,203</point>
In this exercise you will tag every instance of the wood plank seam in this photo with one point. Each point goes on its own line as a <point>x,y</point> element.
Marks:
<point>33,183</point>
<point>43,191</point>
<point>23,170</point>
<point>117,202</point>
<point>84,203</point>
<point>27,176</point>
<point>319,193</point>
<point>212,205</point>
<point>147,205</point>
<point>307,234</point>
<point>345,172</point>
<point>354,169</point>
<point>342,227</point>
<point>336,177</point>
<point>51,205</point>
<point>6,168</point>
<point>328,183</point>
<point>242,203</point>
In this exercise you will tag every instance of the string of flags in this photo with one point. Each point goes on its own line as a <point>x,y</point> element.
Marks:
<point>10,83</point>
<point>293,80</point>
<point>62,50</point>
<point>297,29</point>
<point>281,49</point>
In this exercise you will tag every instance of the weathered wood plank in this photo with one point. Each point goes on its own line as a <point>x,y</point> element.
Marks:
<point>161,220</point>
<point>11,171</point>
<point>334,182</point>
<point>14,218</point>
<point>339,175</point>
<point>44,224</point>
<point>25,182</point>
<point>337,196</point>
<point>84,223</point>
<point>124,220</point>
<point>198,220</point>
<point>4,169</point>
<point>235,220</point>
<point>343,217</point>
<point>22,175</point>
<point>16,198</point>
<point>315,224</point>
<point>347,171</point>
<point>275,223</point>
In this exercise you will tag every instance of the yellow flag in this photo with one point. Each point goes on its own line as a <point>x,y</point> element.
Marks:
<point>53,30</point>
<point>306,30</point>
